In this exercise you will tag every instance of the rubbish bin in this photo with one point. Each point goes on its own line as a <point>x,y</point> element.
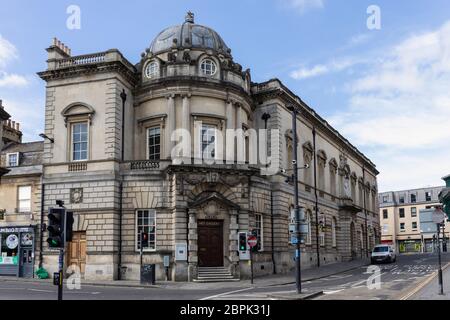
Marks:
<point>148,274</point>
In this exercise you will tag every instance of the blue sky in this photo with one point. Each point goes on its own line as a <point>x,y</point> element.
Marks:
<point>386,90</point>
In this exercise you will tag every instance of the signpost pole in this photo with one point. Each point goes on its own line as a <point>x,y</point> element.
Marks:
<point>441,285</point>
<point>251,264</point>
<point>60,270</point>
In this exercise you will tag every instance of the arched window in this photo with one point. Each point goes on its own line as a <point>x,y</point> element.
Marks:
<point>321,164</point>
<point>333,171</point>
<point>333,232</point>
<point>307,157</point>
<point>208,67</point>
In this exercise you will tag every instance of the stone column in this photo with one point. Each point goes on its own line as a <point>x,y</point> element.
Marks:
<point>186,113</point>
<point>171,123</point>
<point>229,127</point>
<point>192,246</point>
<point>240,148</point>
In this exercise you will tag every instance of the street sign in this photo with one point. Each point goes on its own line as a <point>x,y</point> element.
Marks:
<point>439,216</point>
<point>252,241</point>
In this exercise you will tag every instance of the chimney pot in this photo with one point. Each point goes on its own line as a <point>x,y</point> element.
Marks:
<point>18,126</point>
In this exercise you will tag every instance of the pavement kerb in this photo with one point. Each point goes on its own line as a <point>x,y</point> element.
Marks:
<point>423,284</point>
<point>297,297</point>
<point>138,285</point>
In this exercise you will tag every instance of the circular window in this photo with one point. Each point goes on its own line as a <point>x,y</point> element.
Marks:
<point>208,67</point>
<point>151,70</point>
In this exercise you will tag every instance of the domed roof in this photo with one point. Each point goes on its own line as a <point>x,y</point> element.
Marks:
<point>189,35</point>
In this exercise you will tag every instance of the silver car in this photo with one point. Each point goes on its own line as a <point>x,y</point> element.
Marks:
<point>383,253</point>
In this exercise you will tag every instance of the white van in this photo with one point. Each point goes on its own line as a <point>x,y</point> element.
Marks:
<point>383,253</point>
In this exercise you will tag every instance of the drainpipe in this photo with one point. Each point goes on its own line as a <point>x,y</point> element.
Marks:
<point>365,212</point>
<point>41,231</point>
<point>316,198</point>
<point>123,96</point>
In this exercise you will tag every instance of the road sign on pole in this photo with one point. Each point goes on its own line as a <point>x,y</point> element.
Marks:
<point>439,216</point>
<point>252,241</point>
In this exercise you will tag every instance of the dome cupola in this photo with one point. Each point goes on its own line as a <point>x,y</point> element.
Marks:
<point>189,36</point>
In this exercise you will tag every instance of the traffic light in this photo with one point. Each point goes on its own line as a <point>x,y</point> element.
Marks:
<point>242,241</point>
<point>56,227</point>
<point>69,226</point>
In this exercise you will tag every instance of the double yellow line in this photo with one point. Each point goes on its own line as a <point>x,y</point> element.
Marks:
<point>424,284</point>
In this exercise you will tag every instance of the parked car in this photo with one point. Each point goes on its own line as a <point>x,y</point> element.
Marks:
<point>383,253</point>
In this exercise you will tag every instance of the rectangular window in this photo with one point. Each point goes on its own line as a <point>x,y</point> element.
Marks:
<point>402,227</point>
<point>24,199</point>
<point>146,223</point>
<point>208,141</point>
<point>385,228</point>
<point>428,196</point>
<point>80,141</point>
<point>154,143</point>
<point>413,198</point>
<point>259,229</point>
<point>413,212</point>
<point>385,199</point>
<point>322,239</point>
<point>13,159</point>
<point>385,214</point>
<point>402,212</point>
<point>402,199</point>
<point>414,225</point>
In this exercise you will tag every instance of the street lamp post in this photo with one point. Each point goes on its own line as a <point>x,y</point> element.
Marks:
<point>298,277</point>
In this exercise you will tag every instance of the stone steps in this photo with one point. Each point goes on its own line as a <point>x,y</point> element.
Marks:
<point>214,274</point>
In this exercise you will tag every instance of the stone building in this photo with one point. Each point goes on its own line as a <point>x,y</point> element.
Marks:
<point>20,202</point>
<point>400,218</point>
<point>109,158</point>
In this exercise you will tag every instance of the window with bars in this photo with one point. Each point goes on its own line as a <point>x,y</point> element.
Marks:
<point>208,67</point>
<point>146,223</point>
<point>80,141</point>
<point>154,143</point>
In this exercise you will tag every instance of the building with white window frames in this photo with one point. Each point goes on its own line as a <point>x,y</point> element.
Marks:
<point>20,203</point>
<point>400,218</point>
<point>117,187</point>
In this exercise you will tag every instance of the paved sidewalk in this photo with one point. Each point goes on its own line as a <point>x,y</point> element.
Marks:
<point>265,281</point>
<point>431,290</point>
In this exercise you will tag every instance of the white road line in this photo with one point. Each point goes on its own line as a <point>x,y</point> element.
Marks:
<point>226,293</point>
<point>333,292</point>
<point>39,290</point>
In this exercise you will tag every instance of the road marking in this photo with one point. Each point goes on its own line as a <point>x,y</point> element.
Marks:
<point>226,293</point>
<point>423,284</point>
<point>39,290</point>
<point>333,292</point>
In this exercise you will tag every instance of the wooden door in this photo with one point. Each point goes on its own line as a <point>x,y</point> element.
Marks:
<point>76,251</point>
<point>210,243</point>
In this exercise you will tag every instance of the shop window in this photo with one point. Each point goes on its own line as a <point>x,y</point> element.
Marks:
<point>154,143</point>
<point>259,231</point>
<point>9,249</point>
<point>146,223</point>
<point>24,199</point>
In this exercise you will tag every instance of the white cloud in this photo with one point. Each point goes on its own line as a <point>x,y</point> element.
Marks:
<point>400,110</point>
<point>322,69</point>
<point>8,51</point>
<point>304,5</point>
<point>12,80</point>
